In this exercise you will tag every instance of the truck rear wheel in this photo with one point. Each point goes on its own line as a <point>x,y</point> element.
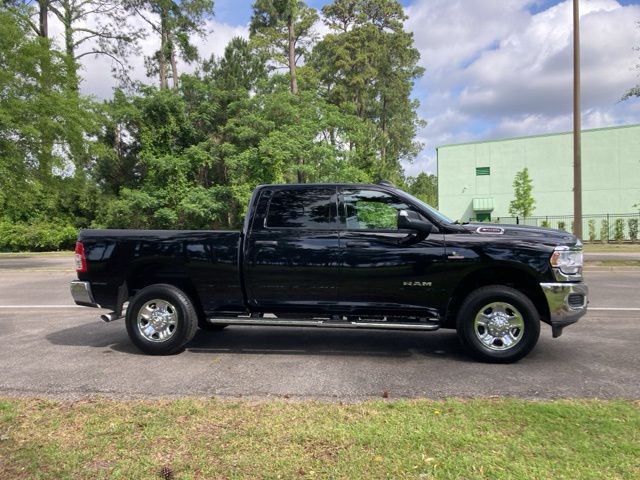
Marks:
<point>498,324</point>
<point>161,319</point>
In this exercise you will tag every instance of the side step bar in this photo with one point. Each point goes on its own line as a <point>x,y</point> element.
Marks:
<point>321,323</point>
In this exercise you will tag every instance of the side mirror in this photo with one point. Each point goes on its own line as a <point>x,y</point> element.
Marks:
<point>410,220</point>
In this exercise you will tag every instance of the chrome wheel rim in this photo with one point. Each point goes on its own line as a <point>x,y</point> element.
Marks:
<point>157,320</point>
<point>499,326</point>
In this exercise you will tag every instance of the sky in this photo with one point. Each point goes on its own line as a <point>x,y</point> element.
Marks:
<point>493,68</point>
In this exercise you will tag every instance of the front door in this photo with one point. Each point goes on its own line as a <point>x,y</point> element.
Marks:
<point>386,269</point>
<point>292,255</point>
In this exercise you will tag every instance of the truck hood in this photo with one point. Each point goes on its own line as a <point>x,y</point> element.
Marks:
<point>546,236</point>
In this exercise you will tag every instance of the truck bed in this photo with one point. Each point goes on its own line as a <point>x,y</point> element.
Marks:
<point>204,262</point>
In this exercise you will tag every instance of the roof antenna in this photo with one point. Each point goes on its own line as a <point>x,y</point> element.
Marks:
<point>386,183</point>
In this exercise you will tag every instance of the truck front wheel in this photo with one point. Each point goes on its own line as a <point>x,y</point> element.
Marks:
<point>161,319</point>
<point>498,324</point>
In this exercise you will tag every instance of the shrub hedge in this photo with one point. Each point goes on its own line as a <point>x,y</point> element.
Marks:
<point>36,237</point>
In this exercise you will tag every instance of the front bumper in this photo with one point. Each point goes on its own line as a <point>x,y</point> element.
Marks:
<point>82,295</point>
<point>567,303</point>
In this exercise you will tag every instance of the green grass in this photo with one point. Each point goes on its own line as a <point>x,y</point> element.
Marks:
<point>453,439</point>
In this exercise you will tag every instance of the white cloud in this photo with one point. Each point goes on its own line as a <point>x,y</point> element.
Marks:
<point>532,70</point>
<point>441,132</point>
<point>524,124</point>
<point>452,32</point>
<point>495,70</point>
<point>218,37</point>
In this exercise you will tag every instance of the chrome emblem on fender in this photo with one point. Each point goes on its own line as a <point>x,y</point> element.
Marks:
<point>490,230</point>
<point>416,284</point>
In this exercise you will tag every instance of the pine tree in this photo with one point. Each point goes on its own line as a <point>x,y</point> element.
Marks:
<point>283,31</point>
<point>367,66</point>
<point>175,22</point>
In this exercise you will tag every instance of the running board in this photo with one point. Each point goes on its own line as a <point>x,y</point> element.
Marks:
<point>274,322</point>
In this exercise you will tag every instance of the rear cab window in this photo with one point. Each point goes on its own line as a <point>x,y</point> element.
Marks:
<point>304,209</point>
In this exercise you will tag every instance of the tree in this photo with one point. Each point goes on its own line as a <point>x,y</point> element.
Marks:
<point>174,22</point>
<point>198,152</point>
<point>283,30</point>
<point>240,68</point>
<point>90,27</point>
<point>43,70</point>
<point>39,128</point>
<point>190,156</point>
<point>116,162</point>
<point>523,204</point>
<point>367,66</point>
<point>167,156</point>
<point>98,28</point>
<point>34,14</point>
<point>425,187</point>
<point>53,79</point>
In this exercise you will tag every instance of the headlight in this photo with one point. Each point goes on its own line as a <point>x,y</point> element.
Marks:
<point>569,261</point>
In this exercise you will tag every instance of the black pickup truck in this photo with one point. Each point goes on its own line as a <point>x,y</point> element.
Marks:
<point>337,256</point>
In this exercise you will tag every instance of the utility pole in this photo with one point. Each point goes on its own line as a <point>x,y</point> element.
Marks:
<point>577,148</point>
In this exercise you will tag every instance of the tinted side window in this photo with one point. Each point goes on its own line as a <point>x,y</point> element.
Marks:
<point>372,210</point>
<point>307,209</point>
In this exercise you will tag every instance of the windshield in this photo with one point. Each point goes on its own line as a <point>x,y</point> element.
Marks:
<point>440,216</point>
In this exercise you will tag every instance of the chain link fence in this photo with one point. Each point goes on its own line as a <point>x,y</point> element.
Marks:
<point>595,228</point>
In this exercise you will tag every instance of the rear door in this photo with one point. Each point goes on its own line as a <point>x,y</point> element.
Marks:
<point>386,270</point>
<point>292,255</point>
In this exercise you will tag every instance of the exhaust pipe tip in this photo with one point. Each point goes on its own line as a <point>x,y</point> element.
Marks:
<point>110,317</point>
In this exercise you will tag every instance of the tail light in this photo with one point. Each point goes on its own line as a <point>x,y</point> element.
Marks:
<point>81,260</point>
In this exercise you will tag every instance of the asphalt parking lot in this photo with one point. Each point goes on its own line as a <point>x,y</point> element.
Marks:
<point>49,347</point>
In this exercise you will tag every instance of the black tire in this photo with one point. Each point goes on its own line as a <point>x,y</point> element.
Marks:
<point>177,319</point>
<point>523,323</point>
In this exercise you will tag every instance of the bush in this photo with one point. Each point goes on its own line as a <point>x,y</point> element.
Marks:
<point>633,229</point>
<point>618,230</point>
<point>591,225</point>
<point>38,237</point>
<point>562,226</point>
<point>545,224</point>
<point>604,231</point>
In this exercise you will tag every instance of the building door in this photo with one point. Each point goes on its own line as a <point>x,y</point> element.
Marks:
<point>483,216</point>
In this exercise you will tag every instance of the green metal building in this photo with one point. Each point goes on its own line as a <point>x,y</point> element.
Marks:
<point>475,180</point>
